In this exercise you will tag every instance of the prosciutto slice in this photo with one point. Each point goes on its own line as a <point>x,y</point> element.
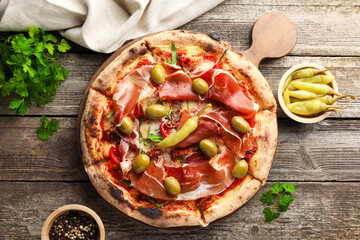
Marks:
<point>129,149</point>
<point>198,178</point>
<point>231,138</point>
<point>205,129</point>
<point>178,86</point>
<point>130,90</point>
<point>223,87</point>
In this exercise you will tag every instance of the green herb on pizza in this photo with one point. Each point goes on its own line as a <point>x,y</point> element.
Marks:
<point>278,199</point>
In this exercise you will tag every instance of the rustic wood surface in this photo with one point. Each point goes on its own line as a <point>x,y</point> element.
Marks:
<point>322,160</point>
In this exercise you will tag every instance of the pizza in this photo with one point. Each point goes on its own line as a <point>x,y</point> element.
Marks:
<point>178,130</point>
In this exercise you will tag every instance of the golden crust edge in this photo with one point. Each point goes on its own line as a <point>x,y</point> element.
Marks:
<point>266,131</point>
<point>91,119</point>
<point>232,200</point>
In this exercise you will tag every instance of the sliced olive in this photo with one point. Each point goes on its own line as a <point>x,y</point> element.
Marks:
<point>240,124</point>
<point>200,86</point>
<point>172,186</point>
<point>127,125</point>
<point>240,169</point>
<point>141,162</point>
<point>158,74</point>
<point>208,147</point>
<point>155,111</point>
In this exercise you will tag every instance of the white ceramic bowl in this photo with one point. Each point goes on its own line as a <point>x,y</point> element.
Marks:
<point>72,207</point>
<point>298,118</point>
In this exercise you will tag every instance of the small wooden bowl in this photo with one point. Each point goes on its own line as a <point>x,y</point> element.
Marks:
<point>302,119</point>
<point>72,207</point>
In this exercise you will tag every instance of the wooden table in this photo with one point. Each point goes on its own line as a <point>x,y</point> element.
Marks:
<point>322,160</point>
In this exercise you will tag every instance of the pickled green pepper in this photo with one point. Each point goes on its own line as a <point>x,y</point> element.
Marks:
<point>189,126</point>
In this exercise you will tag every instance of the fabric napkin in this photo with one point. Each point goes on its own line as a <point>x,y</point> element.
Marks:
<point>100,25</point>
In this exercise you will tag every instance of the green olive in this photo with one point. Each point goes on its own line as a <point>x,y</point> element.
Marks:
<point>155,111</point>
<point>141,162</point>
<point>172,186</point>
<point>240,124</point>
<point>127,125</point>
<point>200,86</point>
<point>208,147</point>
<point>158,74</point>
<point>240,169</point>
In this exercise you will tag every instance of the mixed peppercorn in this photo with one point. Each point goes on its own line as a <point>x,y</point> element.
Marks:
<point>74,225</point>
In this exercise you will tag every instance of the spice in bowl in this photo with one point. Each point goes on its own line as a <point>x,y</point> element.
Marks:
<point>309,92</point>
<point>74,225</point>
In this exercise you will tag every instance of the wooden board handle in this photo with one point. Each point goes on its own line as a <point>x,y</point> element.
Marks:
<point>273,36</point>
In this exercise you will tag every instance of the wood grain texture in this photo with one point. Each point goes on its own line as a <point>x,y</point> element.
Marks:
<point>273,36</point>
<point>319,211</point>
<point>325,28</point>
<point>326,151</point>
<point>83,66</point>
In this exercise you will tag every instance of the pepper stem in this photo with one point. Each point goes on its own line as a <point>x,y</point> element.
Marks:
<point>322,71</point>
<point>343,96</point>
<point>335,107</point>
<point>203,109</point>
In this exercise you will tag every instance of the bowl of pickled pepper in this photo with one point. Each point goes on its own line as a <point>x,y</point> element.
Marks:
<point>308,92</point>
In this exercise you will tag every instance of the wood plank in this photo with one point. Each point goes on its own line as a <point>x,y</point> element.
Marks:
<point>83,66</point>
<point>326,151</point>
<point>318,211</point>
<point>324,28</point>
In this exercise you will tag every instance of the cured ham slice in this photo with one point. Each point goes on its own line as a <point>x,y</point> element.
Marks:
<point>223,87</point>
<point>198,178</point>
<point>129,91</point>
<point>204,130</point>
<point>129,149</point>
<point>229,135</point>
<point>178,86</point>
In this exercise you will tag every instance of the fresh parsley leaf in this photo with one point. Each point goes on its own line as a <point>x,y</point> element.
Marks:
<point>196,147</point>
<point>266,198</point>
<point>29,70</point>
<point>187,106</point>
<point>110,114</point>
<point>47,128</point>
<point>276,189</point>
<point>289,187</point>
<point>284,202</point>
<point>278,199</point>
<point>152,103</point>
<point>142,152</point>
<point>126,183</point>
<point>270,214</point>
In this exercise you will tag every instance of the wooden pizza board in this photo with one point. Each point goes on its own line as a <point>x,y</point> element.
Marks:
<point>273,36</point>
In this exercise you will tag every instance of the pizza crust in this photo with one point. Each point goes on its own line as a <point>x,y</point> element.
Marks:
<point>92,149</point>
<point>266,133</point>
<point>231,200</point>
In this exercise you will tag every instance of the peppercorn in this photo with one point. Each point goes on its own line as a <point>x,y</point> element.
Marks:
<point>74,225</point>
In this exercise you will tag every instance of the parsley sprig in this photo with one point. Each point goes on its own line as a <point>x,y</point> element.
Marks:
<point>47,128</point>
<point>168,113</point>
<point>174,58</point>
<point>278,198</point>
<point>28,68</point>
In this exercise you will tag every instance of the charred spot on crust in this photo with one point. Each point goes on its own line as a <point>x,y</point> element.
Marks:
<point>92,119</point>
<point>243,73</point>
<point>153,213</point>
<point>133,54</point>
<point>210,47</point>
<point>94,135</point>
<point>214,36</point>
<point>118,195</point>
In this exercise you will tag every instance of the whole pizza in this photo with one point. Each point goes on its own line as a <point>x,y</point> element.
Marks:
<point>178,129</point>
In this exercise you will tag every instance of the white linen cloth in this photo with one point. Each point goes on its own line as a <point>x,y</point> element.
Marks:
<point>100,25</point>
